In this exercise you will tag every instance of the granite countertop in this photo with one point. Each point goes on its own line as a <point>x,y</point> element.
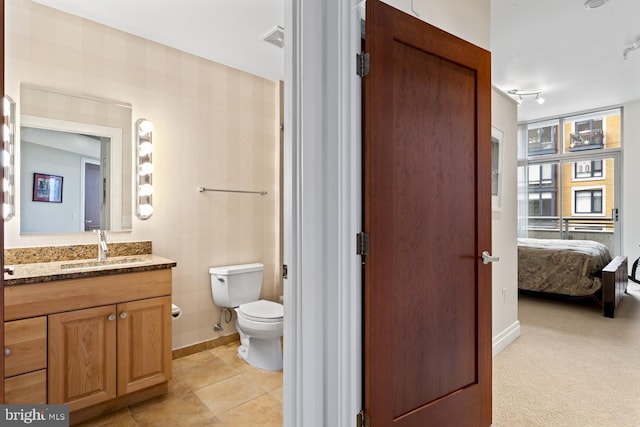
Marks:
<point>61,270</point>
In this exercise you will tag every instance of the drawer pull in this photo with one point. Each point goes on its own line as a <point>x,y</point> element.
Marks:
<point>123,314</point>
<point>111,317</point>
<point>7,351</point>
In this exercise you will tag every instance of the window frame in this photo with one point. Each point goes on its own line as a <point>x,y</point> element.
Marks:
<point>603,198</point>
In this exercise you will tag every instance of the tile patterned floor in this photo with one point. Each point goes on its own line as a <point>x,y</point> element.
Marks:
<point>211,388</point>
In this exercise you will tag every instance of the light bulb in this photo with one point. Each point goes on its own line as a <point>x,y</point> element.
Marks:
<point>539,99</point>
<point>145,210</point>
<point>5,107</point>
<point>146,148</point>
<point>145,190</point>
<point>6,133</point>
<point>146,168</point>
<point>145,127</point>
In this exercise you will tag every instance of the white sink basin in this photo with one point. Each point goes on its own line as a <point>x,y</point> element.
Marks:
<point>109,262</point>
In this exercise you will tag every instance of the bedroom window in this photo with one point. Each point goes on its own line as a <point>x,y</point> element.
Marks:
<point>543,140</point>
<point>543,189</point>
<point>569,179</point>
<point>588,169</point>
<point>588,201</point>
<point>542,204</point>
<point>588,135</point>
<point>593,131</point>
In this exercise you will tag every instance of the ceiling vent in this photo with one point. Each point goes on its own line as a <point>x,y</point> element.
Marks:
<point>276,36</point>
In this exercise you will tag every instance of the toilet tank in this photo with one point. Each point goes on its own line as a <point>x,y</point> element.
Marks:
<point>232,285</point>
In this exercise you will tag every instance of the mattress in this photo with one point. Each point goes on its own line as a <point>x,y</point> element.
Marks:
<point>566,267</point>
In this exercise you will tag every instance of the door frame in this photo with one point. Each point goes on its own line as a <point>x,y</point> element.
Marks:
<point>2,230</point>
<point>322,205</point>
<point>322,215</point>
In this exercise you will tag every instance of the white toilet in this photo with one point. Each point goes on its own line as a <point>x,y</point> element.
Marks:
<point>259,321</point>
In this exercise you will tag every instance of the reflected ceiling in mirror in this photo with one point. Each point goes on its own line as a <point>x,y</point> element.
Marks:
<point>84,141</point>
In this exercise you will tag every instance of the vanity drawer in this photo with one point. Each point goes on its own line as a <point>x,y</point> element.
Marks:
<point>25,344</point>
<point>28,388</point>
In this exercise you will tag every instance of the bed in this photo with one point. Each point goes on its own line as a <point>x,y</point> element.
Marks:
<point>574,268</point>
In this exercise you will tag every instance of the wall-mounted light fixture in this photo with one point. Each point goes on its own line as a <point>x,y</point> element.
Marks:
<point>8,144</point>
<point>144,144</point>
<point>521,94</point>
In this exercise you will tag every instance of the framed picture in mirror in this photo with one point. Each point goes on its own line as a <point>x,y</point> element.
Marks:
<point>47,188</point>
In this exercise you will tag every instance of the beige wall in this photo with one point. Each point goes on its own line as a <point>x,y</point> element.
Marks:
<point>214,127</point>
<point>506,326</point>
<point>467,19</point>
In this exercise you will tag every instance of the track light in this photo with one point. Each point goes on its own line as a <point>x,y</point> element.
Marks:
<point>520,94</point>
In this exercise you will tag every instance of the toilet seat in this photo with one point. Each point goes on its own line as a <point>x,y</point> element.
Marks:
<point>262,311</point>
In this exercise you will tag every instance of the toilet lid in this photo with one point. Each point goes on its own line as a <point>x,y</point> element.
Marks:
<point>262,310</point>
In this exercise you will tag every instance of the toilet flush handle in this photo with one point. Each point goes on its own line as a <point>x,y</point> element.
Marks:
<point>220,279</point>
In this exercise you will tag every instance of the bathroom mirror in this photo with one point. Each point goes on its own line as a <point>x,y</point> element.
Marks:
<point>75,163</point>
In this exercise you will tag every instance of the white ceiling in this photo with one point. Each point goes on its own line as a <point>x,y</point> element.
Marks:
<point>572,54</point>
<point>230,32</point>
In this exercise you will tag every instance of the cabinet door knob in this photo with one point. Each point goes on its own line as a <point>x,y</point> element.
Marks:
<point>7,351</point>
<point>111,317</point>
<point>123,314</point>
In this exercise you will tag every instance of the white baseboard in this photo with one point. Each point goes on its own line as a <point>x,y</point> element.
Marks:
<point>506,337</point>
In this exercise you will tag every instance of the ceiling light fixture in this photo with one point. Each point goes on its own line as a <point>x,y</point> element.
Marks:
<point>520,94</point>
<point>592,4</point>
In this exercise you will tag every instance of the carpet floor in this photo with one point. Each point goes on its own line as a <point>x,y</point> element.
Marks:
<point>570,367</point>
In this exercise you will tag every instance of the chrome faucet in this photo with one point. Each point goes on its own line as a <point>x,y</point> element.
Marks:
<point>102,245</point>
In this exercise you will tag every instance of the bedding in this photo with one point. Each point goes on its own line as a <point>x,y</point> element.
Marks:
<point>566,267</point>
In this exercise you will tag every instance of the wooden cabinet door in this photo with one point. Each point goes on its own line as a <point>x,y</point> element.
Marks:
<point>82,357</point>
<point>30,388</point>
<point>25,345</point>
<point>144,343</point>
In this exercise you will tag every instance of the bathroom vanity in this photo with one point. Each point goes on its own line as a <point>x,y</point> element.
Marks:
<point>93,335</point>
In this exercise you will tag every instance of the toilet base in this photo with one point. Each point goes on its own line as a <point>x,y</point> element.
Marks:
<point>262,354</point>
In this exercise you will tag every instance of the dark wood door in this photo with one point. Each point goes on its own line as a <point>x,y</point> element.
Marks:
<point>92,197</point>
<point>427,210</point>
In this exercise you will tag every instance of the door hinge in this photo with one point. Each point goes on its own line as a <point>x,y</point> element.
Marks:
<point>363,64</point>
<point>285,271</point>
<point>362,243</point>
<point>362,419</point>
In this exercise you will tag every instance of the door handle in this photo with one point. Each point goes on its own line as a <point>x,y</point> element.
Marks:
<point>487,258</point>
